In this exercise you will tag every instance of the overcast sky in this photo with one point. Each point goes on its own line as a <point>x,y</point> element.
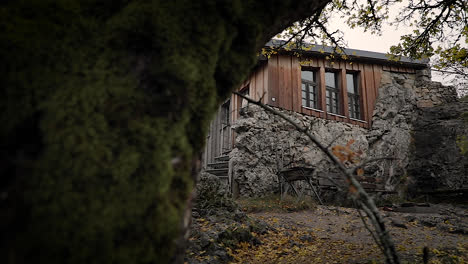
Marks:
<point>358,39</point>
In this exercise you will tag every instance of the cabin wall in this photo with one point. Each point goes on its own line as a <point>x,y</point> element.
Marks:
<point>216,145</point>
<point>266,145</point>
<point>278,83</point>
<point>257,84</point>
<point>284,87</point>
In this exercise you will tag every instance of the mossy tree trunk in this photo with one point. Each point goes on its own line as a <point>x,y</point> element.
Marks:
<point>104,110</point>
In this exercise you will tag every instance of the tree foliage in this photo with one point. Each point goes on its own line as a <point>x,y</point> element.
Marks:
<point>104,109</point>
<point>440,27</point>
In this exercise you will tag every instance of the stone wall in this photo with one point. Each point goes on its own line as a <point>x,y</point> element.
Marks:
<point>265,143</point>
<point>436,158</point>
<point>429,93</point>
<point>390,135</point>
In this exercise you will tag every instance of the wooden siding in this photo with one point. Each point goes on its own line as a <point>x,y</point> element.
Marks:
<point>257,84</point>
<point>284,82</point>
<point>278,83</point>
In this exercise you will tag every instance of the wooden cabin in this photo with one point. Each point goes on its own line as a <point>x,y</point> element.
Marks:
<point>314,84</point>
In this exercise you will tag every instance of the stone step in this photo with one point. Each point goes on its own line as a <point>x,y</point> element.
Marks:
<point>222,158</point>
<point>218,172</point>
<point>218,165</point>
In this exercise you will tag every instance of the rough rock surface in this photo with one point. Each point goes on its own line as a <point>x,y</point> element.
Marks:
<point>218,224</point>
<point>429,93</point>
<point>390,135</point>
<point>265,144</point>
<point>437,161</point>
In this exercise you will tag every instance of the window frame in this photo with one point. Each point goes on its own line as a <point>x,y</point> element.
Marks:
<point>356,97</point>
<point>333,103</point>
<point>316,103</point>
<point>335,106</point>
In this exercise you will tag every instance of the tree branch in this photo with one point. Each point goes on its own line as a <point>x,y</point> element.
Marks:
<point>358,194</point>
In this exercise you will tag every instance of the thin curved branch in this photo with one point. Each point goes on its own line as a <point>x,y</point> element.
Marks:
<point>359,195</point>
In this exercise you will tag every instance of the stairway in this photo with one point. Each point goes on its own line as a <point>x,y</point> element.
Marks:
<point>220,168</point>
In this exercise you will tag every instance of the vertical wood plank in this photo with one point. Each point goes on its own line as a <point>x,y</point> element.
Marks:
<point>207,146</point>
<point>369,75</point>
<point>281,82</point>
<point>363,91</point>
<point>321,84</point>
<point>344,90</point>
<point>259,84</point>
<point>215,135</point>
<point>273,84</point>
<point>233,118</point>
<point>377,69</point>
<point>264,94</point>
<point>285,99</point>
<point>253,86</point>
<point>296,84</point>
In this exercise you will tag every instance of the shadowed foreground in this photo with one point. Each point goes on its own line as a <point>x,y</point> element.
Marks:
<point>104,108</point>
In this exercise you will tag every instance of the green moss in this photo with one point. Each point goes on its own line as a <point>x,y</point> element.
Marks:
<point>462,143</point>
<point>464,117</point>
<point>104,105</point>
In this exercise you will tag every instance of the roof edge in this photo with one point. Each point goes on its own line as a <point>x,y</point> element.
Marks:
<point>363,55</point>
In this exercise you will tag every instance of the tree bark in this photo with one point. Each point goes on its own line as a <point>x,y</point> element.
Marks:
<point>104,109</point>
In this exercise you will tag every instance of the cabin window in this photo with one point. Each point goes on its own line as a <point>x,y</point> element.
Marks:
<point>332,93</point>
<point>245,92</point>
<point>354,99</point>
<point>309,89</point>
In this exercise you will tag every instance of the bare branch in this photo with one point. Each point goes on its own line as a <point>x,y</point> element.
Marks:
<point>359,195</point>
<point>335,139</point>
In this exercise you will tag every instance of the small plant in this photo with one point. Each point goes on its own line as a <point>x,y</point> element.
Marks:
<point>273,203</point>
<point>464,98</point>
<point>211,196</point>
<point>464,117</point>
<point>462,143</point>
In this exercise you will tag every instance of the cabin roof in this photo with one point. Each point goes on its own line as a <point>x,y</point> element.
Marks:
<point>355,54</point>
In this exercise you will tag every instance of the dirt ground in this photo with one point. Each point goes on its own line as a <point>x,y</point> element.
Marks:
<point>337,235</point>
<point>328,234</point>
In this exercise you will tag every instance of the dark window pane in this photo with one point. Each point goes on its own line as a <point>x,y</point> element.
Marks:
<point>309,88</point>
